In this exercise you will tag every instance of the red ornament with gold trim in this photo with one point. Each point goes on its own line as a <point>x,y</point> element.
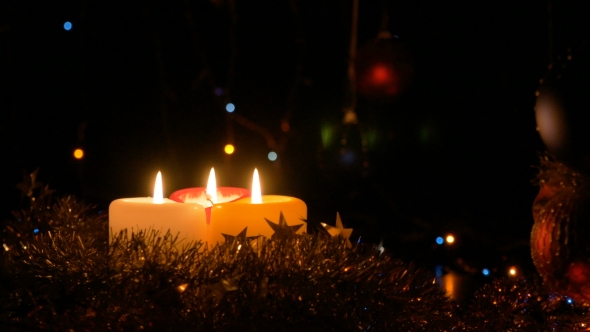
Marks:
<point>560,240</point>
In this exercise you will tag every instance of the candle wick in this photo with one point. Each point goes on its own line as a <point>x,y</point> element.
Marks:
<point>208,197</point>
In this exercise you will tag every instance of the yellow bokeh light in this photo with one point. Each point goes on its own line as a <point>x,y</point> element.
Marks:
<point>229,149</point>
<point>512,271</point>
<point>450,239</point>
<point>78,153</point>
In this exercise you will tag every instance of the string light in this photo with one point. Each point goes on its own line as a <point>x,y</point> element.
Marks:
<point>230,108</point>
<point>68,26</point>
<point>272,156</point>
<point>440,240</point>
<point>78,153</point>
<point>229,149</point>
<point>450,239</point>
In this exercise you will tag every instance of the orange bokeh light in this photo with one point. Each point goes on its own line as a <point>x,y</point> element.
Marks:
<point>78,153</point>
<point>229,149</point>
<point>450,239</point>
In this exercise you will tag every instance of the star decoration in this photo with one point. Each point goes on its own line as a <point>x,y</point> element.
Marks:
<point>282,230</point>
<point>241,238</point>
<point>226,284</point>
<point>339,230</point>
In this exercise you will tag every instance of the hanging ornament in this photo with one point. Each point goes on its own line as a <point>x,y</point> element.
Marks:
<point>562,109</point>
<point>559,241</point>
<point>383,68</point>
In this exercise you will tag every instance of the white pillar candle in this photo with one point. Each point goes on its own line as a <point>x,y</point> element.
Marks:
<point>187,220</point>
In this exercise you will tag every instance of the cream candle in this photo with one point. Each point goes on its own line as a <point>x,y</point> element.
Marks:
<point>160,214</point>
<point>251,212</point>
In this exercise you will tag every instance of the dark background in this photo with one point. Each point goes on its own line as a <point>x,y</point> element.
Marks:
<point>133,84</point>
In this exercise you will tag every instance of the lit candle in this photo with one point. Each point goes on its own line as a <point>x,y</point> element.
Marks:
<point>252,212</point>
<point>160,214</point>
<point>207,196</point>
<point>210,195</point>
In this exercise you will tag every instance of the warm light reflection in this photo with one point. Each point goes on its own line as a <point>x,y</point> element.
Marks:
<point>78,153</point>
<point>450,239</point>
<point>182,288</point>
<point>229,149</point>
<point>451,283</point>
<point>212,187</point>
<point>551,121</point>
<point>256,197</point>
<point>158,191</point>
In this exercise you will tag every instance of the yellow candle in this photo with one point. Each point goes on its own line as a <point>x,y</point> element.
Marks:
<point>160,214</point>
<point>251,212</point>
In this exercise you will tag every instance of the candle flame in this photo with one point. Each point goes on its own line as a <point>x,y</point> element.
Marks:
<point>256,192</point>
<point>212,187</point>
<point>158,191</point>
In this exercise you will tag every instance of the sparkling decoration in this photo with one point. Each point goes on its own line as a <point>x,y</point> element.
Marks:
<point>66,277</point>
<point>339,230</point>
<point>559,240</point>
<point>562,108</point>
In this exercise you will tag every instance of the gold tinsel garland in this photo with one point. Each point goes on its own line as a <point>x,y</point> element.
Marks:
<point>58,273</point>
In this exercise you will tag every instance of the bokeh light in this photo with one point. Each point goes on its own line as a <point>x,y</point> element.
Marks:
<point>68,26</point>
<point>230,107</point>
<point>229,149</point>
<point>440,240</point>
<point>78,153</point>
<point>450,239</point>
<point>272,156</point>
<point>438,271</point>
<point>485,272</point>
<point>285,127</point>
<point>512,271</point>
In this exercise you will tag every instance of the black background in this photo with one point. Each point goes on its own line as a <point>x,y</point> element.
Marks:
<point>133,84</point>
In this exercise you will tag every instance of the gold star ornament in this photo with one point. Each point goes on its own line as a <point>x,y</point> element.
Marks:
<point>339,230</point>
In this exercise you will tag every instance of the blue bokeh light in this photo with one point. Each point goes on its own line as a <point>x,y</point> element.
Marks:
<point>230,107</point>
<point>440,240</point>
<point>438,271</point>
<point>68,26</point>
<point>569,300</point>
<point>272,156</point>
<point>36,230</point>
<point>485,272</point>
<point>347,157</point>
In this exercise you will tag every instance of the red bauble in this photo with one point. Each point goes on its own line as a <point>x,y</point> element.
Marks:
<point>383,69</point>
<point>560,240</point>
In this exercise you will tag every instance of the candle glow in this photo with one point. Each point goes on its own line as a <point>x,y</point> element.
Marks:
<point>256,191</point>
<point>212,187</point>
